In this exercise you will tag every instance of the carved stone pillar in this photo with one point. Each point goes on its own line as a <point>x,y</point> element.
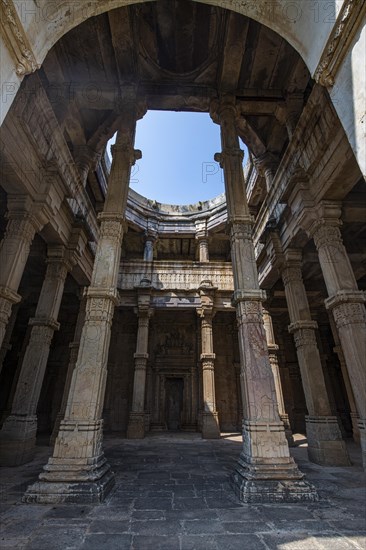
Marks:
<point>78,470</point>
<point>210,421</point>
<point>325,444</point>
<point>266,165</point>
<point>6,346</point>
<point>18,435</point>
<point>150,239</point>
<point>74,350</point>
<point>265,466</point>
<point>273,359</point>
<point>86,159</point>
<point>345,302</point>
<point>353,410</point>
<point>289,113</point>
<point>136,423</point>
<point>202,239</point>
<point>14,250</point>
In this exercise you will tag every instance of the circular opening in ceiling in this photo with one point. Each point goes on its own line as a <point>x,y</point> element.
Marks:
<point>177,165</point>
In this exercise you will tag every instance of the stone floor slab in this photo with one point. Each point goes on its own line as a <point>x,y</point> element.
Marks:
<point>174,494</point>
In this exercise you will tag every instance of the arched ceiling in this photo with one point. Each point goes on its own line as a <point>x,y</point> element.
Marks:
<point>180,55</point>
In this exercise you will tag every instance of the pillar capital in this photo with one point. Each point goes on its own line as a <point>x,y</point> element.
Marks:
<point>267,162</point>
<point>302,325</point>
<point>60,261</point>
<point>255,296</point>
<point>314,218</point>
<point>40,321</point>
<point>223,109</point>
<point>86,159</point>
<point>201,230</point>
<point>228,154</point>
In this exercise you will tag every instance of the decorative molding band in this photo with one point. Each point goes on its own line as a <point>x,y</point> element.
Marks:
<point>16,40</point>
<point>344,30</point>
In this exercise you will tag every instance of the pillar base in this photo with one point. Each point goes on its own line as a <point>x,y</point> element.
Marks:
<point>69,482</point>
<point>355,428</point>
<point>18,440</point>
<point>288,431</point>
<point>210,426</point>
<point>136,426</point>
<point>56,429</point>
<point>259,491</point>
<point>266,472</point>
<point>325,444</point>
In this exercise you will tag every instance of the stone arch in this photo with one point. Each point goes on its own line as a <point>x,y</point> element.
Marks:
<point>294,21</point>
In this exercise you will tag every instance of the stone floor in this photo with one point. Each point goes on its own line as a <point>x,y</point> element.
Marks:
<point>172,493</point>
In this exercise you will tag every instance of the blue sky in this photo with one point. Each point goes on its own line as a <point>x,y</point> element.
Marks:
<point>177,165</point>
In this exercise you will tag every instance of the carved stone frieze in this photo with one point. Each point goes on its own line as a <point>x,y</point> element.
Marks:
<point>16,40</point>
<point>337,46</point>
<point>21,226</point>
<point>249,312</point>
<point>304,337</point>
<point>170,275</point>
<point>100,310</point>
<point>328,235</point>
<point>111,229</point>
<point>291,275</point>
<point>241,231</point>
<point>349,313</point>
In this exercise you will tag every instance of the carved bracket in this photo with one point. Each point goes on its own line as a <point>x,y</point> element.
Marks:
<point>345,28</point>
<point>16,40</point>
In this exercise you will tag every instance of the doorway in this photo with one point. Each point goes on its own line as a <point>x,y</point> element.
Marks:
<point>174,402</point>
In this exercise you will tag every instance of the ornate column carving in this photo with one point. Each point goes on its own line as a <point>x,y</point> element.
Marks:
<point>18,435</point>
<point>78,470</point>
<point>74,349</point>
<point>266,165</point>
<point>86,159</point>
<point>20,230</point>
<point>273,359</point>
<point>202,239</point>
<point>345,302</point>
<point>210,421</point>
<point>136,423</point>
<point>265,464</point>
<point>325,444</point>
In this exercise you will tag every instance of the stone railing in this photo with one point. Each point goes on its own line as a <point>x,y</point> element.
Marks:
<point>175,275</point>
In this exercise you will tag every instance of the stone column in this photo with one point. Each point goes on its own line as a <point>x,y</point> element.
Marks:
<point>136,423</point>
<point>273,359</point>
<point>6,346</point>
<point>78,470</point>
<point>86,159</point>
<point>18,435</point>
<point>351,400</point>
<point>74,350</point>
<point>345,302</point>
<point>266,165</point>
<point>210,421</point>
<point>347,383</point>
<point>325,444</point>
<point>149,247</point>
<point>289,113</point>
<point>265,467</point>
<point>14,250</point>
<point>202,238</point>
